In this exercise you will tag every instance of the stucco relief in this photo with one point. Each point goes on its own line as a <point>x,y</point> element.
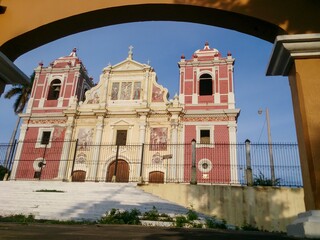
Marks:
<point>158,139</point>
<point>115,91</point>
<point>85,137</point>
<point>157,94</point>
<point>126,91</point>
<point>156,158</point>
<point>94,97</point>
<point>81,158</point>
<point>48,121</point>
<point>136,90</point>
<point>58,133</point>
<point>207,119</point>
<point>126,88</point>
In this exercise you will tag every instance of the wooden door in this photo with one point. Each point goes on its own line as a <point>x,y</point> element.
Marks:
<point>78,176</point>
<point>122,174</point>
<point>156,177</point>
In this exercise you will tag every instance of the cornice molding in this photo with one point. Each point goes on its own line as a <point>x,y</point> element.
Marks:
<point>287,48</point>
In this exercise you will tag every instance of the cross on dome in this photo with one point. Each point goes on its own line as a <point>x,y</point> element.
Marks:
<point>130,53</point>
<point>73,53</point>
<point>206,46</point>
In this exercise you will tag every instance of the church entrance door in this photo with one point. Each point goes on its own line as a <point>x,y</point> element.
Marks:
<point>156,177</point>
<point>122,174</point>
<point>78,176</point>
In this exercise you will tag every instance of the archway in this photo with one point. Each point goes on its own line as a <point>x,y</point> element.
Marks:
<point>156,177</point>
<point>264,19</point>
<point>78,176</point>
<point>122,171</point>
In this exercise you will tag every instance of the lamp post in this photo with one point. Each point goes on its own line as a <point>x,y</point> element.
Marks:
<point>273,178</point>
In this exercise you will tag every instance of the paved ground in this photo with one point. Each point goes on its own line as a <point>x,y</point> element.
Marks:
<point>127,232</point>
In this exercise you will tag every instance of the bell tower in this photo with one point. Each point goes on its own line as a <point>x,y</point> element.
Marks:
<point>207,94</point>
<point>206,80</point>
<point>59,85</point>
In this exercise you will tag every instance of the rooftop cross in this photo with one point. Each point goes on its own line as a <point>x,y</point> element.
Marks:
<point>130,52</point>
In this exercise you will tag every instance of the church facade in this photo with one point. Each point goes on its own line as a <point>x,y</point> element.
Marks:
<point>125,128</point>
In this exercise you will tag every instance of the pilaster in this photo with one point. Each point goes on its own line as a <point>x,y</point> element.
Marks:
<point>298,57</point>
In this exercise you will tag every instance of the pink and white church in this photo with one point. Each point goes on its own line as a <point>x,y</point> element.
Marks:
<point>127,108</point>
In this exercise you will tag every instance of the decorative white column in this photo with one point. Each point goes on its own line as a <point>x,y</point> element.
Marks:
<point>64,172</point>
<point>174,149</point>
<point>233,153</point>
<point>175,110</point>
<point>23,131</point>
<point>96,152</point>
<point>143,113</point>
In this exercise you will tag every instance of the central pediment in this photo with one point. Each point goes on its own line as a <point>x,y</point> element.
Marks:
<point>129,65</point>
<point>121,123</point>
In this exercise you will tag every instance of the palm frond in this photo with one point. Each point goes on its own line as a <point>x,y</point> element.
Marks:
<point>22,91</point>
<point>13,91</point>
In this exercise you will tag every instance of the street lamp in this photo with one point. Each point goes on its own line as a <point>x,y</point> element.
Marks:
<point>273,178</point>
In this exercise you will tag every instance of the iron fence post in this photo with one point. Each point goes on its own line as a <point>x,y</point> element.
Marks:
<point>41,164</point>
<point>74,158</point>
<point>193,167</point>
<point>12,154</point>
<point>141,164</point>
<point>114,177</point>
<point>248,163</point>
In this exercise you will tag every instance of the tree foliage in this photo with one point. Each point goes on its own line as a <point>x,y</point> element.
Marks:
<point>22,91</point>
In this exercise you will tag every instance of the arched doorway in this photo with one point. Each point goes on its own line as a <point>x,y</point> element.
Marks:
<point>156,177</point>
<point>78,176</point>
<point>122,173</point>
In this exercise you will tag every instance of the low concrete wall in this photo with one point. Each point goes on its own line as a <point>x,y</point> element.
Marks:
<point>268,208</point>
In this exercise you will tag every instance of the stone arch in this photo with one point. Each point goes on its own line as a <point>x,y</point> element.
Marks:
<point>156,177</point>
<point>244,16</point>
<point>123,171</point>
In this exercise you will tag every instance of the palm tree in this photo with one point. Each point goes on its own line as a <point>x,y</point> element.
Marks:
<point>22,91</point>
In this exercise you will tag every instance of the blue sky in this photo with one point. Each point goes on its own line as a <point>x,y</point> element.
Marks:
<point>162,44</point>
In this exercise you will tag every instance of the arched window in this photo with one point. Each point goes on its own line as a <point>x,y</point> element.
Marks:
<point>205,85</point>
<point>54,90</point>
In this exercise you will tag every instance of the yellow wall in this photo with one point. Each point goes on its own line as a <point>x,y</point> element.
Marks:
<point>304,82</point>
<point>26,25</point>
<point>267,208</point>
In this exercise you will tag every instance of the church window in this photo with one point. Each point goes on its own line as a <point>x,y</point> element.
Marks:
<point>45,139</point>
<point>54,90</point>
<point>205,85</point>
<point>205,165</point>
<point>121,139</point>
<point>204,136</point>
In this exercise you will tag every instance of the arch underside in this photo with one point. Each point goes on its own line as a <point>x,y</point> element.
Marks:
<point>134,13</point>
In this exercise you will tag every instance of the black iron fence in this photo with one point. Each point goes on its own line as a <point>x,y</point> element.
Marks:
<point>232,164</point>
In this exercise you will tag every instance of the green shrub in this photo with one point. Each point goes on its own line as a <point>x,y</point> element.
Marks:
<point>212,222</point>
<point>181,221</point>
<point>249,227</point>
<point>3,171</point>
<point>152,215</point>
<point>18,218</point>
<point>115,216</point>
<point>261,180</point>
<point>192,215</point>
<point>197,225</point>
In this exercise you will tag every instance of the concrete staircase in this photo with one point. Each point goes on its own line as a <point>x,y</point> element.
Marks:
<point>78,200</point>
